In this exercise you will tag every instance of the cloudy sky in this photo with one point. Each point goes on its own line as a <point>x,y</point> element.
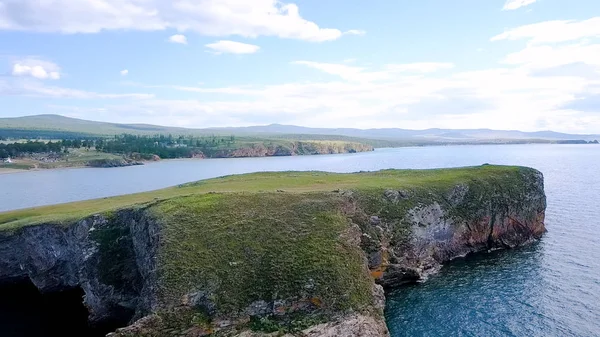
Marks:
<point>516,64</point>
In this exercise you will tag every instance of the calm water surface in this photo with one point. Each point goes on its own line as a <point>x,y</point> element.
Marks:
<point>548,289</point>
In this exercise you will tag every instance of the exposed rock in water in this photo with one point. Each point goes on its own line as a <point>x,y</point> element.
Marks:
<point>403,235</point>
<point>106,163</point>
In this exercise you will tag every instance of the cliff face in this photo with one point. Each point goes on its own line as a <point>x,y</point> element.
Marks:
<point>484,215</point>
<point>291,148</point>
<point>246,264</point>
<point>110,259</point>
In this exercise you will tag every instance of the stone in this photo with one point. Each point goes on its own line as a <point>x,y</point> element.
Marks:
<point>374,220</point>
<point>395,196</point>
<point>457,194</point>
<point>202,301</point>
<point>352,326</point>
<point>375,259</point>
<point>259,308</point>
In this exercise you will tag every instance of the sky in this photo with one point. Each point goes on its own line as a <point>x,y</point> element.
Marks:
<point>501,64</point>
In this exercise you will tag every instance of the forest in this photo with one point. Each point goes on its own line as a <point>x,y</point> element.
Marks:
<point>164,146</point>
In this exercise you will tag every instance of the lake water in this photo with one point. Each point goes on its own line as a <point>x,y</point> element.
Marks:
<point>548,289</point>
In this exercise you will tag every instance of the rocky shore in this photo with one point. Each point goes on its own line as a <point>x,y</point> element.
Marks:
<point>275,263</point>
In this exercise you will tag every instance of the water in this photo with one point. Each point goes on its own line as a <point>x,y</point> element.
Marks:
<point>548,289</point>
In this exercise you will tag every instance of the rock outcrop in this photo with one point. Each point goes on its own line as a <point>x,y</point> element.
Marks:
<point>110,259</point>
<point>353,325</point>
<point>292,148</point>
<point>132,267</point>
<point>108,163</point>
<point>467,218</point>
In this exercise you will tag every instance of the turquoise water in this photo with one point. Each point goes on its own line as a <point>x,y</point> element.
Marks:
<point>548,289</point>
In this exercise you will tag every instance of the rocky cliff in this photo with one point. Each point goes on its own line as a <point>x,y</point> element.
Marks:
<point>406,240</point>
<point>110,258</point>
<point>307,260</point>
<point>290,148</point>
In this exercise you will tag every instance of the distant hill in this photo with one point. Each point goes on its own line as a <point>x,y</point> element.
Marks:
<point>55,124</point>
<point>67,124</point>
<point>406,134</point>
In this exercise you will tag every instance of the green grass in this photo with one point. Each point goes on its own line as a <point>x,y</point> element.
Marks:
<point>79,158</point>
<point>16,166</point>
<point>247,247</point>
<point>293,182</point>
<point>62,124</point>
<point>84,155</point>
<point>76,158</point>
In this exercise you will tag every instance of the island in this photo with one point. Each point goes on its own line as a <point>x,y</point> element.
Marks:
<point>268,254</point>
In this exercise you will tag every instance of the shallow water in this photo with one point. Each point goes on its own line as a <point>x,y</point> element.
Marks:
<point>548,289</point>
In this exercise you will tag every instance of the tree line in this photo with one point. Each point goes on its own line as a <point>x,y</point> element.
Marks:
<point>165,146</point>
<point>21,149</point>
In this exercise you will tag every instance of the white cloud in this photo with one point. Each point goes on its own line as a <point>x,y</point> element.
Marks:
<point>206,17</point>
<point>355,32</point>
<point>178,38</point>
<point>549,56</point>
<point>554,44</point>
<point>33,88</point>
<point>421,67</point>
<point>124,72</point>
<point>350,73</point>
<point>360,74</point>
<point>552,83</point>
<point>501,98</point>
<point>553,31</point>
<point>516,4</point>
<point>232,47</point>
<point>36,68</point>
<point>509,97</point>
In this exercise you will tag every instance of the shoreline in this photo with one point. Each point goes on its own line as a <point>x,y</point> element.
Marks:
<point>7,170</point>
<point>12,171</point>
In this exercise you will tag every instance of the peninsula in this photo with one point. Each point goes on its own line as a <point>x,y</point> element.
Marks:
<point>290,253</point>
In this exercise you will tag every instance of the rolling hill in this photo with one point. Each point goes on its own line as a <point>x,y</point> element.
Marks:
<point>46,125</point>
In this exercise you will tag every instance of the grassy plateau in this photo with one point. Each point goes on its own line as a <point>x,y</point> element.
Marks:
<point>290,182</point>
<point>285,238</point>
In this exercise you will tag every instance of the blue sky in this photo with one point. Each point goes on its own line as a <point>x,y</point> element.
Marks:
<point>516,64</point>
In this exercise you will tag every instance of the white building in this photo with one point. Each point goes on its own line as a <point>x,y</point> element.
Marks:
<point>7,160</point>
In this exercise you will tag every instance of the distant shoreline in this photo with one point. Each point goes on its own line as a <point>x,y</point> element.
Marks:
<point>8,170</point>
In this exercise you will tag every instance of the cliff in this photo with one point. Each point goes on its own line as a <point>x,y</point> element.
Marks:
<point>287,148</point>
<point>295,253</point>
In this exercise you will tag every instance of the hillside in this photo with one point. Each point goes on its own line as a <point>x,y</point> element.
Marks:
<point>415,135</point>
<point>59,123</point>
<point>55,126</point>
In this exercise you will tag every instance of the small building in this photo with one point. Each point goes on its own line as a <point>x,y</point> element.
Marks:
<point>7,161</point>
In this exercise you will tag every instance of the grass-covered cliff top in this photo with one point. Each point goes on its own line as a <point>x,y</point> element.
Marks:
<point>285,238</point>
<point>290,182</point>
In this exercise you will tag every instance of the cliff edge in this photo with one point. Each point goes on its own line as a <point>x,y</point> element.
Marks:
<point>268,254</point>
